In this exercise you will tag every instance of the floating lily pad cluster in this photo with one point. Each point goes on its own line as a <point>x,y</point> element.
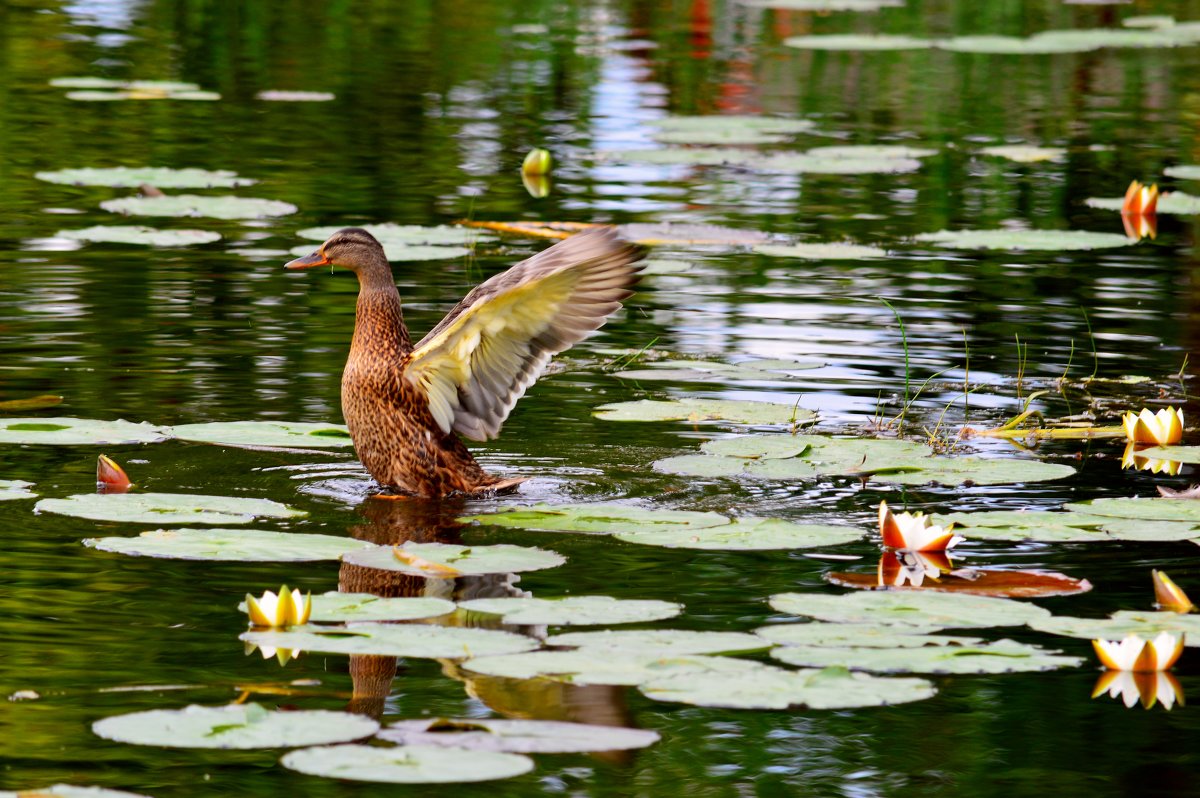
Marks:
<point>408,242</point>
<point>62,431</point>
<point>92,89</point>
<point>1103,520</point>
<point>834,160</point>
<point>707,371</point>
<point>1043,43</point>
<point>792,457</point>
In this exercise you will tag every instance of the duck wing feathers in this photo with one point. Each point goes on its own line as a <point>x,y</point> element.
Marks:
<point>479,360</point>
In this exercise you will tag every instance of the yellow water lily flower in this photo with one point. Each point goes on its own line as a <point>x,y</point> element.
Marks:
<point>1132,458</point>
<point>1136,654</point>
<point>1150,688</point>
<point>285,609</point>
<point>1162,428</point>
<point>1168,595</point>
<point>1140,200</point>
<point>282,655</point>
<point>914,531</point>
<point>537,162</point>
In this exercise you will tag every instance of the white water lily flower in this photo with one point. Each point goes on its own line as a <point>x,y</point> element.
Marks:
<point>285,609</point>
<point>1135,654</point>
<point>1162,428</point>
<point>905,566</point>
<point>914,531</point>
<point>1150,688</point>
<point>282,655</point>
<point>1132,458</point>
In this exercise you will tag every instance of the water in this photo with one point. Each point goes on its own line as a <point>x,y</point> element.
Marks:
<point>436,107</point>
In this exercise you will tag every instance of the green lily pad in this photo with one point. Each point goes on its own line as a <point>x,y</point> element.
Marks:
<point>910,608</point>
<point>681,156</point>
<point>1146,625</point>
<point>767,447</point>
<point>1151,531</point>
<point>825,5</point>
<point>405,252</point>
<point>600,519</point>
<point>1000,656</point>
<point>574,610</point>
<point>466,560</point>
<point>855,151</point>
<point>77,431</point>
<point>1183,172</point>
<point>662,641</point>
<point>727,130</point>
<point>857,635</point>
<point>228,207</point>
<point>235,545</point>
<point>346,607</point>
<point>702,465</point>
<point>666,266</point>
<point>132,234</point>
<point>89,82</point>
<point>1022,240</point>
<point>1044,527</point>
<point>683,234</point>
<point>1156,509</point>
<point>775,688</point>
<point>517,736</point>
<point>732,136</point>
<point>290,96</point>
<point>696,410</point>
<point>166,508</point>
<point>393,640</point>
<point>830,251</point>
<point>234,726</point>
<point>857,42</point>
<point>12,489</point>
<point>606,666</point>
<point>707,371</point>
<point>1168,202</point>
<point>1148,21</point>
<point>141,94</point>
<point>977,471</point>
<point>834,161</point>
<point>406,234</point>
<point>70,791</point>
<point>158,176</point>
<point>1180,454</point>
<point>408,764</point>
<point>747,534</point>
<point>1012,45</point>
<point>266,433</point>
<point>1025,153</point>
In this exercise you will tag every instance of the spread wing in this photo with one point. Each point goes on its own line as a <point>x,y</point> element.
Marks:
<point>478,361</point>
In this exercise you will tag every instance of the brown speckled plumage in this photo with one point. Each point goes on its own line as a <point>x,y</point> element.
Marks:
<point>404,404</point>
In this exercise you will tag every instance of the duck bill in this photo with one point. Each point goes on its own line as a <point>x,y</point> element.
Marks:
<point>308,261</point>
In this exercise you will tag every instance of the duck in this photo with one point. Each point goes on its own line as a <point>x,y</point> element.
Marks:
<point>409,406</point>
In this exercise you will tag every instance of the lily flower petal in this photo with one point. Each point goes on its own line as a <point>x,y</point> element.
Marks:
<point>110,477</point>
<point>1135,654</point>
<point>1131,458</point>
<point>288,608</point>
<point>905,566</point>
<point>1140,199</point>
<point>1162,428</point>
<point>1148,688</point>
<point>914,531</point>
<point>1168,595</point>
<point>537,162</point>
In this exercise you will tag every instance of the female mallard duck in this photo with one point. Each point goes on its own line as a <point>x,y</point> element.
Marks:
<point>403,404</point>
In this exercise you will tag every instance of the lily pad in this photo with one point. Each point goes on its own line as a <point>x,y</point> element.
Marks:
<point>1022,240</point>
<point>836,161</point>
<point>601,519</point>
<point>747,534</point>
<point>158,176</point>
<point>228,207</point>
<point>825,5</point>
<point>695,410</point>
<point>727,130</point>
<point>393,640</point>
<point>517,736</point>
<point>1000,656</point>
<point>70,791</point>
<point>574,610</point>
<point>406,234</point>
<point>141,94</point>
<point>607,666</point>
<point>1025,153</point>
<point>1168,202</point>
<point>1156,509</point>
<point>857,42</point>
<point>830,251</point>
<point>236,545</point>
<point>707,371</point>
<point>1013,45</point>
<point>978,582</point>
<point>976,471</point>
<point>1183,172</point>
<point>346,607</point>
<point>1146,625</point>
<point>910,608</point>
<point>406,252</point>
<point>12,489</point>
<point>662,641</point>
<point>408,764</point>
<point>77,431</point>
<point>234,726</point>
<point>90,82</point>
<point>775,688</point>
<point>857,635</point>
<point>266,433</point>
<point>1068,527</point>
<point>132,234</point>
<point>731,136</point>
<point>1180,454</point>
<point>678,233</point>
<point>466,560</point>
<point>166,508</point>
<point>290,96</point>
<point>770,447</point>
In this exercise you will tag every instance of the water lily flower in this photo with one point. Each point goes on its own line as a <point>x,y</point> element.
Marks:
<point>282,655</point>
<point>1162,428</point>
<point>110,477</point>
<point>1136,654</point>
<point>1132,458</point>
<point>914,531</point>
<point>537,186</point>
<point>537,162</point>
<point>904,566</point>
<point>1140,200</point>
<point>285,609</point>
<point>1139,226</point>
<point>1168,595</point>
<point>1147,687</point>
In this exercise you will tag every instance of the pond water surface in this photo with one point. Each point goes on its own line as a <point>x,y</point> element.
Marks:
<point>435,106</point>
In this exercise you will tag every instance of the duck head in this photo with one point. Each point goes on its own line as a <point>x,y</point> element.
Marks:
<point>352,248</point>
